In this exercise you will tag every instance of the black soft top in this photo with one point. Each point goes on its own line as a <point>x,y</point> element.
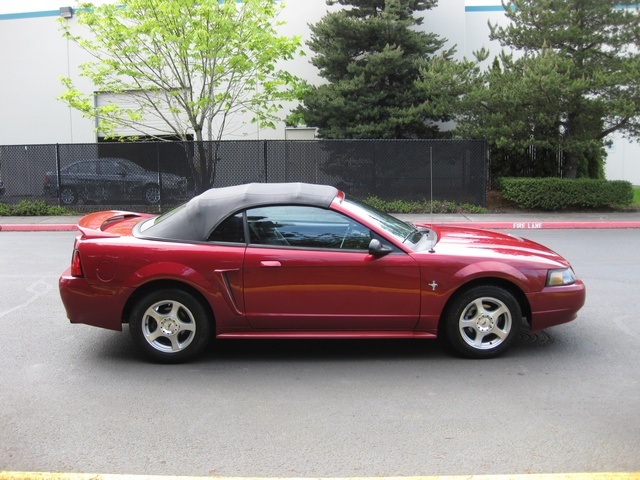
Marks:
<point>199,216</point>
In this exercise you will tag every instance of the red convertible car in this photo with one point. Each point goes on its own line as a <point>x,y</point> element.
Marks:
<point>297,260</point>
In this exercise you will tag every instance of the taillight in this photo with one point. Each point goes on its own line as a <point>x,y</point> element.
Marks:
<point>76,265</point>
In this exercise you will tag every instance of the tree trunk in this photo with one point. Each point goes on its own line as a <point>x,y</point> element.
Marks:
<point>571,162</point>
<point>203,170</point>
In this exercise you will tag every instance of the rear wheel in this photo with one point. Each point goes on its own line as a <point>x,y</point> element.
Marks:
<point>170,325</point>
<point>482,322</point>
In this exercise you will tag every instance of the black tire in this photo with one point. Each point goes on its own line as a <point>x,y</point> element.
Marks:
<point>170,326</point>
<point>482,322</point>
<point>68,196</point>
<point>151,194</point>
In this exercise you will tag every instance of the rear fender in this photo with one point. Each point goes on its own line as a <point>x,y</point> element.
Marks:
<point>223,299</point>
<point>167,271</point>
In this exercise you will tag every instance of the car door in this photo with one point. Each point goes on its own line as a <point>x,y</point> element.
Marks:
<point>113,178</point>
<point>309,268</point>
<point>134,178</point>
<point>85,177</point>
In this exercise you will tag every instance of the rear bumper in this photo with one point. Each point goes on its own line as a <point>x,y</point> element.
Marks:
<point>92,305</point>
<point>556,305</point>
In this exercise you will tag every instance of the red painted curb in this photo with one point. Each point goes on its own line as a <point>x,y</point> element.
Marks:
<point>540,225</point>
<point>37,227</point>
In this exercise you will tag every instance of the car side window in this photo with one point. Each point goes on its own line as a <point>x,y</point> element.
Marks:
<point>231,230</point>
<point>86,167</point>
<point>119,169</point>
<point>307,227</point>
<point>109,167</point>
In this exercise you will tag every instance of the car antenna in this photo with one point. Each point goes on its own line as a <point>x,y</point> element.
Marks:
<point>431,182</point>
<point>431,250</point>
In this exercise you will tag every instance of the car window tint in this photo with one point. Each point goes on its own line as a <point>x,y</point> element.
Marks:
<point>86,167</point>
<point>120,168</point>
<point>130,167</point>
<point>107,167</point>
<point>230,230</point>
<point>308,227</point>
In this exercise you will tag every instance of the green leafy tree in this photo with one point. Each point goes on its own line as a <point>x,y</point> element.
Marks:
<point>372,56</point>
<point>190,64</point>
<point>574,82</point>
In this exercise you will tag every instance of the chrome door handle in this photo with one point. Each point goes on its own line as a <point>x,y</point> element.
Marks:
<point>270,263</point>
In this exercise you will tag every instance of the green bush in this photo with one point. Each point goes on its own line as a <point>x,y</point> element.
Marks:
<point>5,210</point>
<point>439,206</point>
<point>29,208</point>
<point>558,194</point>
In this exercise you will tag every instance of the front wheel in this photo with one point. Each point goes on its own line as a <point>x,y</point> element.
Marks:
<point>482,322</point>
<point>170,326</point>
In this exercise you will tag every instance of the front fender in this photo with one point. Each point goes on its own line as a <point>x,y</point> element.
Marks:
<point>492,269</point>
<point>449,281</point>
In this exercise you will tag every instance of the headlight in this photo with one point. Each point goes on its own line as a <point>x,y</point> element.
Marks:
<point>561,276</point>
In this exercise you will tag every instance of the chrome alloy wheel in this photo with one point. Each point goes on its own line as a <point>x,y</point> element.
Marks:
<point>68,196</point>
<point>485,323</point>
<point>168,326</point>
<point>151,194</point>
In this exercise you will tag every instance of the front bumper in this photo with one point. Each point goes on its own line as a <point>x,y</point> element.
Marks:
<point>556,305</point>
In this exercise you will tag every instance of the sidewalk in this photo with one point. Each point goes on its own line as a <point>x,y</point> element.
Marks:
<point>500,221</point>
<point>528,221</point>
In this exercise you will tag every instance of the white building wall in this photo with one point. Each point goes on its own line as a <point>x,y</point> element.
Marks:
<point>623,160</point>
<point>34,55</point>
<point>32,58</point>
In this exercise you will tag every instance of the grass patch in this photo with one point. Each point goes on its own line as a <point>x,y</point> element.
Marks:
<point>636,195</point>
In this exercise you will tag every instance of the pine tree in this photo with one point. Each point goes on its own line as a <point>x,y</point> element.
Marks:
<point>373,57</point>
<point>574,80</point>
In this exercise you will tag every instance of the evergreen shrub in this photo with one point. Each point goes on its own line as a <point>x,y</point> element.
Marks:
<point>439,206</point>
<point>559,194</point>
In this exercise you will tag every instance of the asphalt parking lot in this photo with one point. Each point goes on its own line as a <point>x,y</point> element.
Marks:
<point>77,399</point>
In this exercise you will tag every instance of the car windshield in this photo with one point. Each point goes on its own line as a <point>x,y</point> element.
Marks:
<point>402,231</point>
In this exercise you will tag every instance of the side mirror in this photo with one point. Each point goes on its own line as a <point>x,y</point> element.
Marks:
<point>377,249</point>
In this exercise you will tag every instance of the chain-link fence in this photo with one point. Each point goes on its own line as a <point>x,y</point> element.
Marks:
<point>153,176</point>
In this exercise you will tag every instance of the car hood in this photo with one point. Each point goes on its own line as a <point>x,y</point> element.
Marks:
<point>490,244</point>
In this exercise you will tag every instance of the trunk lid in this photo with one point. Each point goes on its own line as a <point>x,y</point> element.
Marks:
<point>110,223</point>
